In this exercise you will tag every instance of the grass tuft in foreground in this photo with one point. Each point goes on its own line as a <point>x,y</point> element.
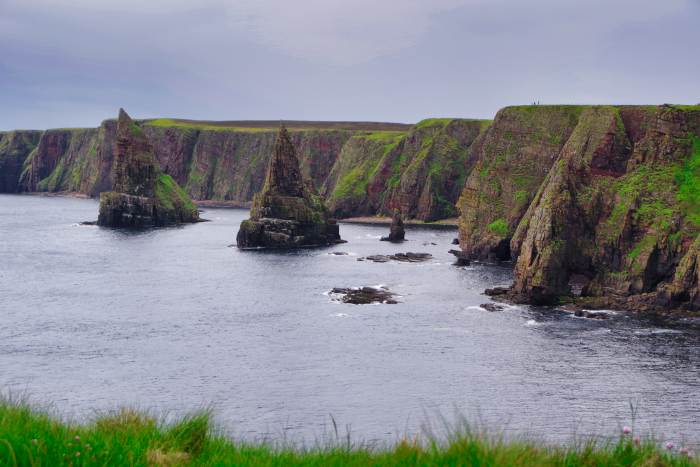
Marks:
<point>29,437</point>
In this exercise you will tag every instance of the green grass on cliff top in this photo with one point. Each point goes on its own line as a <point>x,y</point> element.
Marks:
<point>169,123</point>
<point>33,438</point>
<point>273,126</point>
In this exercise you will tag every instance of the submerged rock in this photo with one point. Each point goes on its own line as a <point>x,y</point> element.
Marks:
<point>492,307</point>
<point>497,291</point>
<point>401,257</point>
<point>396,231</point>
<point>363,295</point>
<point>141,196</point>
<point>287,213</point>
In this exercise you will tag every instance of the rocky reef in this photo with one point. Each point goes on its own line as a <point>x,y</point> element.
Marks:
<point>363,295</point>
<point>407,257</point>
<point>141,196</point>
<point>595,204</point>
<point>287,212</point>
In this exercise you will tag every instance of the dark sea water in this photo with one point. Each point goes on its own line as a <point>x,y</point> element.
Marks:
<point>171,320</point>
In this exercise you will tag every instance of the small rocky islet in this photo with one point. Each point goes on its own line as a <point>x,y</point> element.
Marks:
<point>397,233</point>
<point>363,295</point>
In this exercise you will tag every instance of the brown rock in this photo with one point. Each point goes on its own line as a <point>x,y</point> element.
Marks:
<point>396,230</point>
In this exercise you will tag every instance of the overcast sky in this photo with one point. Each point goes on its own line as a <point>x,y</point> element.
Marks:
<point>75,62</point>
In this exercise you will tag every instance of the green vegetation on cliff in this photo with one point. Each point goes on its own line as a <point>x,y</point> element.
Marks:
<point>29,437</point>
<point>688,178</point>
<point>355,182</point>
<point>421,172</point>
<point>170,123</point>
<point>169,195</point>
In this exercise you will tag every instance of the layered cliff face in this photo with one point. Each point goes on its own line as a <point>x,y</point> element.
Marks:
<point>421,172</point>
<point>230,164</point>
<point>616,214</point>
<point>142,195</point>
<point>15,148</point>
<point>360,168</point>
<point>71,160</point>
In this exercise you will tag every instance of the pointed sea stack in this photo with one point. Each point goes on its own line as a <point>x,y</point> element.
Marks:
<point>396,231</point>
<point>287,212</point>
<point>142,195</point>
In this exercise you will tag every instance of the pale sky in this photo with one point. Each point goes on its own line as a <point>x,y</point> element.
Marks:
<point>66,63</point>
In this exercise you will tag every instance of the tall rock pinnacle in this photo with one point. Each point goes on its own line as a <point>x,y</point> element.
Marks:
<point>284,176</point>
<point>142,195</point>
<point>287,212</point>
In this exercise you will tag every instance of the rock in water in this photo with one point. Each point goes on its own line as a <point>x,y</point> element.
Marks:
<point>400,257</point>
<point>287,212</point>
<point>396,231</point>
<point>142,195</point>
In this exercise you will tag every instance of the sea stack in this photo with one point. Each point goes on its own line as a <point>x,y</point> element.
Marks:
<point>396,231</point>
<point>142,195</point>
<point>287,212</point>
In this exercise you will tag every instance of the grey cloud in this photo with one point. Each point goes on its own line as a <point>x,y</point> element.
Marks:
<point>73,62</point>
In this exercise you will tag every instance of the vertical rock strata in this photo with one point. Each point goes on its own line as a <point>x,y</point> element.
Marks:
<point>287,212</point>
<point>15,148</point>
<point>142,195</point>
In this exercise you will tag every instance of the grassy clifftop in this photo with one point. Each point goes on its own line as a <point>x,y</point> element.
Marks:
<point>273,125</point>
<point>29,437</point>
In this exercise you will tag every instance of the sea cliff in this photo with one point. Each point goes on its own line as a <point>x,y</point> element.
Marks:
<point>419,169</point>
<point>595,204</point>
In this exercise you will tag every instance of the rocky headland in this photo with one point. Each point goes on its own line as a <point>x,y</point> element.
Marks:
<point>596,205</point>
<point>287,212</point>
<point>142,195</point>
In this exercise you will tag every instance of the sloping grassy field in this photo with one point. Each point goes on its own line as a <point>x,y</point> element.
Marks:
<point>29,437</point>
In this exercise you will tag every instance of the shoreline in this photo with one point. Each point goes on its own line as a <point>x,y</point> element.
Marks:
<point>448,223</point>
